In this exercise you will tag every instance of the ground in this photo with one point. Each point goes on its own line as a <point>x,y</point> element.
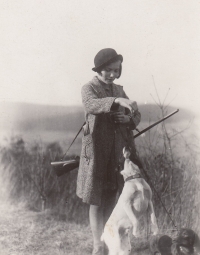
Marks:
<point>25,232</point>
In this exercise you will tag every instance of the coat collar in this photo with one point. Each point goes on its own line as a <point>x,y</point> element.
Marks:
<point>99,87</point>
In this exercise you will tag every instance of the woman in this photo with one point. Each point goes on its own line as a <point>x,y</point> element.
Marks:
<point>109,116</point>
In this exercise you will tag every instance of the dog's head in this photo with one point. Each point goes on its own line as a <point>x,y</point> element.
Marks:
<point>126,152</point>
<point>187,242</point>
<point>129,167</point>
<point>186,237</point>
<point>160,245</point>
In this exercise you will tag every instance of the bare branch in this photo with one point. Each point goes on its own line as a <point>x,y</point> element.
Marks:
<point>156,91</point>
<point>154,100</point>
<point>166,96</point>
<point>171,101</point>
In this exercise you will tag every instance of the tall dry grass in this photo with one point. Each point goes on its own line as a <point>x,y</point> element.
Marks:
<point>26,175</point>
<point>171,162</point>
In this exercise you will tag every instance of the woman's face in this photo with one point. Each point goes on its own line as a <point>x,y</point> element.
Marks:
<point>110,72</point>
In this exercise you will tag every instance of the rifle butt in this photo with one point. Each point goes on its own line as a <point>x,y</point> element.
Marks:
<point>63,167</point>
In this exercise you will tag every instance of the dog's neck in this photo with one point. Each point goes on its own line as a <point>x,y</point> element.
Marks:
<point>134,176</point>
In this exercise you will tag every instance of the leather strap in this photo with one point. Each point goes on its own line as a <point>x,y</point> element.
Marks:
<point>133,177</point>
<point>73,141</point>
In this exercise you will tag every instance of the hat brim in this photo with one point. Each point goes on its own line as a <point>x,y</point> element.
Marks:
<point>117,57</point>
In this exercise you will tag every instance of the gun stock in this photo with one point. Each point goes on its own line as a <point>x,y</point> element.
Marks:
<point>65,166</point>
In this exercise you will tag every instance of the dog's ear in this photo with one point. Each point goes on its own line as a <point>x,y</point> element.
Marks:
<point>122,172</point>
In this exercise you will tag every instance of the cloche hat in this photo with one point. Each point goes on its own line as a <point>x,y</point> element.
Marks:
<point>105,56</point>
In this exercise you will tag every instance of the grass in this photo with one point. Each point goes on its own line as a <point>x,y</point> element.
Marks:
<point>25,232</point>
<point>52,231</point>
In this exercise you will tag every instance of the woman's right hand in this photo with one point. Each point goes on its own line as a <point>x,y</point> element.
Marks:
<point>127,103</point>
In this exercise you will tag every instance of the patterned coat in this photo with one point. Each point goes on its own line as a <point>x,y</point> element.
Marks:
<point>103,140</point>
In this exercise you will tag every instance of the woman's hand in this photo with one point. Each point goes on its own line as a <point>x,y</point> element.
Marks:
<point>120,117</point>
<point>131,105</point>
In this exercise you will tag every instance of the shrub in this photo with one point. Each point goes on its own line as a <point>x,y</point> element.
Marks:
<point>31,178</point>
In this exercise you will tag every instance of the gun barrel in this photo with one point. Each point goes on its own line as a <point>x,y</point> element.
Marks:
<point>156,123</point>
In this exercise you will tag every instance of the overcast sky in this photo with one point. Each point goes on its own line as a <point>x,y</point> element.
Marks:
<point>47,48</point>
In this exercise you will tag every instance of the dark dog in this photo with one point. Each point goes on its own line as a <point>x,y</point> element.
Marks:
<point>186,243</point>
<point>160,245</point>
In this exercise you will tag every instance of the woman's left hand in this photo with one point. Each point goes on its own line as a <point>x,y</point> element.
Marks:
<point>120,117</point>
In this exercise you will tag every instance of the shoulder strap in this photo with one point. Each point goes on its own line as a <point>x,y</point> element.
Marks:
<point>73,141</point>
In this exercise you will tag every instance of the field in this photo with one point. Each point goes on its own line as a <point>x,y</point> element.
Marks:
<point>25,232</point>
<point>40,212</point>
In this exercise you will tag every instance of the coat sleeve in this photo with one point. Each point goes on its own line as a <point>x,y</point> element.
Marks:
<point>92,103</point>
<point>136,118</point>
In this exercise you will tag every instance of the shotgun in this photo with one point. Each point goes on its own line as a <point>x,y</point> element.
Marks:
<point>64,166</point>
<point>156,123</point>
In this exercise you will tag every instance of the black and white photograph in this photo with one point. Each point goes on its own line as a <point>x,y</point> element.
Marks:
<point>100,127</point>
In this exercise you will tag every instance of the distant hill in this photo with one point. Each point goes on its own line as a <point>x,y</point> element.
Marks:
<point>27,117</point>
<point>151,112</point>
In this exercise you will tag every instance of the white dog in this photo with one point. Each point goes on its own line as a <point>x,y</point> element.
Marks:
<point>133,202</point>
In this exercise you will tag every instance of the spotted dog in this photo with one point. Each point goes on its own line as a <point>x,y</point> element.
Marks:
<point>134,201</point>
